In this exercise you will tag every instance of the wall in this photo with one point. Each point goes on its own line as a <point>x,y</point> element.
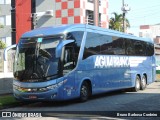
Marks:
<point>68,12</point>
<point>23,17</point>
<point>41,7</point>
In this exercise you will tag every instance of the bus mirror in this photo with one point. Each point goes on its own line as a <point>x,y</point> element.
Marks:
<point>60,46</point>
<point>6,51</point>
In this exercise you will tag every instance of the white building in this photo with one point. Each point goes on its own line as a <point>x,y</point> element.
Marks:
<point>70,12</point>
<point>150,31</point>
<point>5,21</point>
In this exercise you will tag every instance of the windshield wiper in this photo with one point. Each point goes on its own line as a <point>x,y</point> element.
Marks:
<point>50,76</point>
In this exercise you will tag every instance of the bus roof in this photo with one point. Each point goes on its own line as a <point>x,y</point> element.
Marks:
<point>59,29</point>
<point>52,30</point>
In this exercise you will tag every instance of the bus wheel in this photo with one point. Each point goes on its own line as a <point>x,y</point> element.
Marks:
<point>84,92</point>
<point>143,82</point>
<point>137,84</point>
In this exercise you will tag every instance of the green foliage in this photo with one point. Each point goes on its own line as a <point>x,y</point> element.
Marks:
<point>7,100</point>
<point>1,26</point>
<point>2,45</point>
<point>116,22</point>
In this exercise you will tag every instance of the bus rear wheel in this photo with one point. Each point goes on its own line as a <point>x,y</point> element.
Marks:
<point>137,84</point>
<point>143,82</point>
<point>84,92</point>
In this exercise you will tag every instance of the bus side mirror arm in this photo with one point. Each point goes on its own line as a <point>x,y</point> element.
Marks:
<point>60,46</point>
<point>6,51</point>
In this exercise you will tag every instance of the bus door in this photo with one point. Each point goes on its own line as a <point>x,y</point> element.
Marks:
<point>68,66</point>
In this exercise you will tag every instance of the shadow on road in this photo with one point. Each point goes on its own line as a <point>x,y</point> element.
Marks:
<point>75,101</point>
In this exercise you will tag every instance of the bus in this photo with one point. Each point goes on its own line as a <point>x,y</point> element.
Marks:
<point>76,61</point>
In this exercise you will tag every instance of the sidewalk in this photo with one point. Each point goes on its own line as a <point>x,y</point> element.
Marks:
<point>6,85</point>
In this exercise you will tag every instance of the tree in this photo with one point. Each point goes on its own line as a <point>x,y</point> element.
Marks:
<point>116,22</point>
<point>2,45</point>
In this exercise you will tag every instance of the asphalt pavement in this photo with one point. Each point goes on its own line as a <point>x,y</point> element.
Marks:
<point>115,105</point>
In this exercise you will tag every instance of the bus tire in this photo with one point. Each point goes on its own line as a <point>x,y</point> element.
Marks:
<point>143,83</point>
<point>137,84</point>
<point>84,92</point>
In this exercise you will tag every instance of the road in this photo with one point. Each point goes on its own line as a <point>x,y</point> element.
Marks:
<point>106,106</point>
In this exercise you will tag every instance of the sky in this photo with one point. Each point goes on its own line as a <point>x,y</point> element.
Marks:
<point>143,12</point>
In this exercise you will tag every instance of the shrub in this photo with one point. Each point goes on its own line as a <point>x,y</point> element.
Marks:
<point>2,44</point>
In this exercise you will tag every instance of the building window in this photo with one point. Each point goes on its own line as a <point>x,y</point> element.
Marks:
<point>5,1</point>
<point>91,1</point>
<point>8,20</point>
<point>90,17</point>
<point>5,20</point>
<point>2,1</point>
<point>2,20</point>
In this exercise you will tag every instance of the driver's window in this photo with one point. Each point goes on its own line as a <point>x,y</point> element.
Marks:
<point>69,62</point>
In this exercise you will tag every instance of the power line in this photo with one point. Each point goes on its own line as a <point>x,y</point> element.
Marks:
<point>144,14</point>
<point>146,8</point>
<point>141,15</point>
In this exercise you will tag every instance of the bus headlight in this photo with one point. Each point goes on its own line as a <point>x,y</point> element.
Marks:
<point>42,89</point>
<point>51,87</point>
<point>15,87</point>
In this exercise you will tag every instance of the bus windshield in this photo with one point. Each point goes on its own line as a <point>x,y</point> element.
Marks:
<point>35,59</point>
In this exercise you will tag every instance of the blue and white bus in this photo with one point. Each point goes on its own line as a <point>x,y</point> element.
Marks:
<point>77,61</point>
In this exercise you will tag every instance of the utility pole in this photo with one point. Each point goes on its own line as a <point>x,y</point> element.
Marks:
<point>96,12</point>
<point>124,9</point>
<point>124,25</point>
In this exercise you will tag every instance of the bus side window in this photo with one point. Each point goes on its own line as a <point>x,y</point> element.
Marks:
<point>140,48</point>
<point>149,49</point>
<point>69,60</point>
<point>130,47</point>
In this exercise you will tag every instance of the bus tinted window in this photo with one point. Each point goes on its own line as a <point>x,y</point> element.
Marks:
<point>135,47</point>
<point>104,45</point>
<point>71,51</point>
<point>149,49</point>
<point>99,44</point>
<point>77,36</point>
<point>130,48</point>
<point>115,47</point>
<point>95,44</point>
<point>138,48</point>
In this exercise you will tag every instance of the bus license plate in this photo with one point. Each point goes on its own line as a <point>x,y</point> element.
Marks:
<point>32,97</point>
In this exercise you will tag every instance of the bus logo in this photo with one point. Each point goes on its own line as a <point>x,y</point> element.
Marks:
<point>111,61</point>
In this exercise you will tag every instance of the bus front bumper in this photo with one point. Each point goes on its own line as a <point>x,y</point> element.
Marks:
<point>40,92</point>
<point>45,96</point>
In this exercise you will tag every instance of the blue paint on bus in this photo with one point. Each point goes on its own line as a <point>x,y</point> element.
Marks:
<point>53,63</point>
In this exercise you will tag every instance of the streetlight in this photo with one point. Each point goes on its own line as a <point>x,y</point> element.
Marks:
<point>124,9</point>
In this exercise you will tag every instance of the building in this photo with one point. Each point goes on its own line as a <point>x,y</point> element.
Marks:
<point>5,21</point>
<point>151,31</point>
<point>30,14</point>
